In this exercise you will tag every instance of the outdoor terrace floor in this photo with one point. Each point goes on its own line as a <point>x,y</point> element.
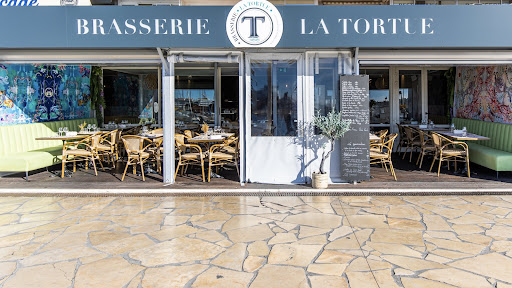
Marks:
<point>408,176</point>
<point>256,242</point>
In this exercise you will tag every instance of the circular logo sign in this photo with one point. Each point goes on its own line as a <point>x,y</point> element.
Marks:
<point>254,23</point>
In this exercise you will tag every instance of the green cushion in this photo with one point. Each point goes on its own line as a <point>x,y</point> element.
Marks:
<point>494,159</point>
<point>495,153</point>
<point>20,151</point>
<point>31,160</point>
<point>500,134</point>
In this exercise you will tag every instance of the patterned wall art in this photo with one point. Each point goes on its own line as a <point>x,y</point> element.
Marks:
<point>484,93</point>
<point>42,93</point>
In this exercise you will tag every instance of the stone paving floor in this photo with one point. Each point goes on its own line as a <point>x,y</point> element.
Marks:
<point>413,241</point>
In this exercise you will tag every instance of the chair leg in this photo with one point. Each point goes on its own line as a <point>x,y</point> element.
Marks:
<point>26,175</point>
<point>94,165</point>
<point>405,152</point>
<point>126,168</point>
<point>410,156</point>
<point>469,175</point>
<point>421,161</point>
<point>101,164</point>
<point>63,166</point>
<point>142,169</point>
<point>392,169</point>
<point>433,161</point>
<point>439,166</point>
<point>209,172</point>
<point>237,170</point>
<point>202,170</point>
<point>419,156</point>
<point>177,169</point>
<point>74,166</point>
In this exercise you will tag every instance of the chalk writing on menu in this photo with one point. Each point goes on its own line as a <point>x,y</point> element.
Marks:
<point>355,155</point>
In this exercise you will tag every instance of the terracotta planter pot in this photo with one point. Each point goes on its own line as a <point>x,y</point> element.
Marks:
<point>320,181</point>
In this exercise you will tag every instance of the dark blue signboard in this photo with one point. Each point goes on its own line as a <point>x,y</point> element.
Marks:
<point>303,26</point>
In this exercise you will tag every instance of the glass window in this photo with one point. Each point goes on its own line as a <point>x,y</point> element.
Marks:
<point>327,86</point>
<point>409,96</point>
<point>194,98</point>
<point>229,97</point>
<point>129,95</point>
<point>440,95</point>
<point>274,98</point>
<point>379,95</point>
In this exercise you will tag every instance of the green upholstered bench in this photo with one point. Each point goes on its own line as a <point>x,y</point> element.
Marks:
<point>495,154</point>
<point>21,152</point>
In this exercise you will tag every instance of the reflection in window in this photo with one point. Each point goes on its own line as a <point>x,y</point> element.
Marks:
<point>274,98</point>
<point>440,95</point>
<point>194,98</point>
<point>379,95</point>
<point>327,87</point>
<point>129,96</point>
<point>409,96</point>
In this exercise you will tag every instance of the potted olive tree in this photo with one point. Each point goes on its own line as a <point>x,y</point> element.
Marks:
<point>332,127</point>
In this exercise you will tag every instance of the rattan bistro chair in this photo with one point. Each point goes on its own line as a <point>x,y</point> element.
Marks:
<point>381,134</point>
<point>427,146</point>
<point>449,150</point>
<point>412,140</point>
<point>136,149</point>
<point>185,158</point>
<point>83,150</point>
<point>107,147</point>
<point>383,153</point>
<point>402,138</point>
<point>222,154</point>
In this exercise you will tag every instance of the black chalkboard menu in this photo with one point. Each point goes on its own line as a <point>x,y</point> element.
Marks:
<point>355,106</point>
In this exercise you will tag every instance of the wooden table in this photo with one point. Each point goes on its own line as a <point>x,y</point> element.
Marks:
<point>459,137</point>
<point>62,138</point>
<point>150,136</point>
<point>208,140</point>
<point>88,133</point>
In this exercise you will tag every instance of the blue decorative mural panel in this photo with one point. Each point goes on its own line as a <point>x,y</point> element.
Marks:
<point>42,93</point>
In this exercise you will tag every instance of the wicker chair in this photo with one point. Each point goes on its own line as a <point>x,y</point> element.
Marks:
<point>427,146</point>
<point>403,138</point>
<point>83,150</point>
<point>156,150</point>
<point>222,154</point>
<point>107,147</point>
<point>194,157</point>
<point>412,140</point>
<point>383,154</point>
<point>188,134</point>
<point>449,150</point>
<point>136,149</point>
<point>381,134</point>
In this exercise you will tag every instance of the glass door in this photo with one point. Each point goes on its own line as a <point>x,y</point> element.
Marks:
<point>410,96</point>
<point>275,151</point>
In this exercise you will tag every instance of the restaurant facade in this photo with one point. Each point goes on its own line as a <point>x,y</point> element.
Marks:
<point>261,69</point>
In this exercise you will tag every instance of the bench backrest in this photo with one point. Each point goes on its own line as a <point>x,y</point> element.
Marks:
<point>500,134</point>
<point>21,138</point>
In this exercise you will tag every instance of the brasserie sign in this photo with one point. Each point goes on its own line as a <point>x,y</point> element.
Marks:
<point>258,24</point>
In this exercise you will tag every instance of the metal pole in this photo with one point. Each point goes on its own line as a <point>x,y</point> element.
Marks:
<point>168,120</point>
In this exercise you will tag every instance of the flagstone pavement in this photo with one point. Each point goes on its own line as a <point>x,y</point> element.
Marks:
<point>296,242</point>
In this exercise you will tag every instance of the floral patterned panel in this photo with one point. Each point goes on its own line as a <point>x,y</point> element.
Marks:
<point>484,93</point>
<point>42,93</point>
